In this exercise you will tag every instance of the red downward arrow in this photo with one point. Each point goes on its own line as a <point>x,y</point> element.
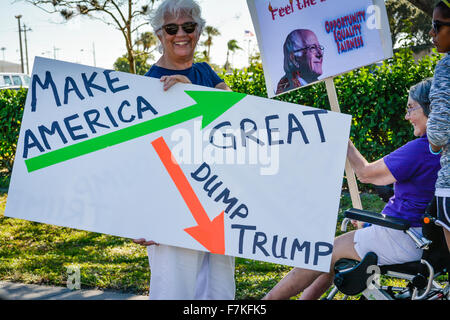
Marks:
<point>208,233</point>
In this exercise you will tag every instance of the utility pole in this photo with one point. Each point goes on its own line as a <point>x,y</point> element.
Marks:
<point>20,40</point>
<point>248,51</point>
<point>3,51</point>
<point>26,46</point>
<point>93,53</point>
<point>54,52</point>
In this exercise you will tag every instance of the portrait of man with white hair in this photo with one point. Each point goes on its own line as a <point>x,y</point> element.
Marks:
<point>303,57</point>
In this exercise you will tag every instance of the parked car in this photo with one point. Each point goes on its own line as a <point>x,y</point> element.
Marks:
<point>13,80</point>
<point>17,88</point>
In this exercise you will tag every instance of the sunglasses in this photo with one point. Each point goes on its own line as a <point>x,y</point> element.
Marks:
<point>172,28</point>
<point>438,24</point>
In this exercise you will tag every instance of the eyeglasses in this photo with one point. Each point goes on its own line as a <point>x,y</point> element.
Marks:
<point>438,24</point>
<point>314,48</point>
<point>172,28</point>
<point>409,110</point>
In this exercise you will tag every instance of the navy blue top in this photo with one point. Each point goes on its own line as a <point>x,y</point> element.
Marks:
<point>200,73</point>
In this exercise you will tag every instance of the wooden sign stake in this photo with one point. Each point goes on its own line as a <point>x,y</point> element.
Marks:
<point>349,173</point>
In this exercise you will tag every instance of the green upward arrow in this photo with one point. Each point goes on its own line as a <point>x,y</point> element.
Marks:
<point>210,105</point>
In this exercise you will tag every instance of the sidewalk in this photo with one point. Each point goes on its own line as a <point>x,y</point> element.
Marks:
<point>20,291</point>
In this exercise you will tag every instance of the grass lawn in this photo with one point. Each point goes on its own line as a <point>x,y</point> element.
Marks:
<point>39,253</point>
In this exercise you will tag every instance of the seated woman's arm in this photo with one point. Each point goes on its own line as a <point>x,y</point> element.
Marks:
<point>376,173</point>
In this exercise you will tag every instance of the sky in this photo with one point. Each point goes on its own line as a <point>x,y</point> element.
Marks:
<point>92,42</point>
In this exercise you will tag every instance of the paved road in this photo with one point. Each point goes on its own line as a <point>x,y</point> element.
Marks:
<point>20,291</point>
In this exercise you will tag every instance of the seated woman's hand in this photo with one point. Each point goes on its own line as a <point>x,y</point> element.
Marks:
<point>169,81</point>
<point>357,224</point>
<point>144,242</point>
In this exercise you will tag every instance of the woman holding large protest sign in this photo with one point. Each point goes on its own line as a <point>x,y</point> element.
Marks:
<point>178,273</point>
<point>438,130</point>
<point>413,170</point>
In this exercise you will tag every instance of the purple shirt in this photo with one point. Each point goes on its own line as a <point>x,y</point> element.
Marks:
<point>415,168</point>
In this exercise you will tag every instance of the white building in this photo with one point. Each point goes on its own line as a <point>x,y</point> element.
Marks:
<point>6,66</point>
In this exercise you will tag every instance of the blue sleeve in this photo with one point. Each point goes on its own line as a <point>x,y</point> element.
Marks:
<point>211,74</point>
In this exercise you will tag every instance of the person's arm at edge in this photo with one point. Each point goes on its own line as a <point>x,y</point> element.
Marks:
<point>435,148</point>
<point>439,96</point>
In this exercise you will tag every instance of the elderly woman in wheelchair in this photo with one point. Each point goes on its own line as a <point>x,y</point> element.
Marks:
<point>395,236</point>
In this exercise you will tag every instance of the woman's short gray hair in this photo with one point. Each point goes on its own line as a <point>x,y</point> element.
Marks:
<point>176,8</point>
<point>420,93</point>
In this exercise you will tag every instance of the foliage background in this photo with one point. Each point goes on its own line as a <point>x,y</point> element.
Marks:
<point>11,111</point>
<point>122,63</point>
<point>408,24</point>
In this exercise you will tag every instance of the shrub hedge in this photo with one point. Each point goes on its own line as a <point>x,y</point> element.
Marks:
<point>11,111</point>
<point>375,96</point>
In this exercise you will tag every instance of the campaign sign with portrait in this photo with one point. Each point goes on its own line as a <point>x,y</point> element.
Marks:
<point>305,41</point>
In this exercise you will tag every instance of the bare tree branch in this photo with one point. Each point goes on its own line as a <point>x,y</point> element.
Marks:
<point>117,13</point>
<point>140,25</point>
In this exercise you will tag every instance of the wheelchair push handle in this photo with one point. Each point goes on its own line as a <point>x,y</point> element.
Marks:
<point>344,224</point>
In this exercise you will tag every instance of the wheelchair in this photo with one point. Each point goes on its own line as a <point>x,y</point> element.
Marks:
<point>362,278</point>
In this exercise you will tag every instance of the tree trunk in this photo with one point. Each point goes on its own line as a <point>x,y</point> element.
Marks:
<point>227,63</point>
<point>129,40</point>
<point>130,52</point>
<point>131,60</point>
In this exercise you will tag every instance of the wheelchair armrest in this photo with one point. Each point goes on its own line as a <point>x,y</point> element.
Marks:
<point>378,219</point>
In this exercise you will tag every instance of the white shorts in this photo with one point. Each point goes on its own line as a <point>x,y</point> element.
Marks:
<point>184,274</point>
<point>391,246</point>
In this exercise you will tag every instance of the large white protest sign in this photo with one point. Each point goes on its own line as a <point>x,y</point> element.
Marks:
<point>305,41</point>
<point>194,167</point>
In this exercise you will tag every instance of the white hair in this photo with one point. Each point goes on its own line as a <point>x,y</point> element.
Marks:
<point>176,8</point>
<point>420,92</point>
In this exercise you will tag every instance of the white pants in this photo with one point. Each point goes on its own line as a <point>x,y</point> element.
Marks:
<point>391,246</point>
<point>184,274</point>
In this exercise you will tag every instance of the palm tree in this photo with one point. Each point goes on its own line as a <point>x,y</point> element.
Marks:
<point>232,46</point>
<point>210,33</point>
<point>147,40</point>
